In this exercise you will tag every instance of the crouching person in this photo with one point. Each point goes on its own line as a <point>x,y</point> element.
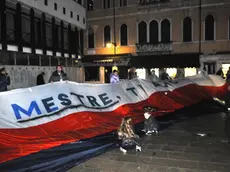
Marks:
<point>151,125</point>
<point>129,139</point>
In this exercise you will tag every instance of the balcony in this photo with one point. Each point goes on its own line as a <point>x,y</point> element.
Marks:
<point>150,48</point>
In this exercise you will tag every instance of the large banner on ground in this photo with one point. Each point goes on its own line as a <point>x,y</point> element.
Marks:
<point>39,118</point>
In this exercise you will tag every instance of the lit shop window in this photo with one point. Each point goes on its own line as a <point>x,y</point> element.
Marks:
<point>141,73</point>
<point>171,72</point>
<point>225,68</point>
<point>191,71</point>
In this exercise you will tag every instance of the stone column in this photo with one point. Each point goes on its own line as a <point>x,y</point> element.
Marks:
<point>54,38</point>
<point>3,24</point>
<point>32,31</point>
<point>18,26</point>
<point>102,74</point>
<point>62,38</point>
<point>44,33</point>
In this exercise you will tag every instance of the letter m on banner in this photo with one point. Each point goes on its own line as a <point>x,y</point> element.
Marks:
<point>18,110</point>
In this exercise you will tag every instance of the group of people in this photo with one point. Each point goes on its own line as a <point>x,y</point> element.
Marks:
<point>114,77</point>
<point>127,137</point>
<point>57,76</point>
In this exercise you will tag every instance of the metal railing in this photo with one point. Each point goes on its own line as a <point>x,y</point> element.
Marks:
<point>153,2</point>
<point>10,34</point>
<point>151,48</point>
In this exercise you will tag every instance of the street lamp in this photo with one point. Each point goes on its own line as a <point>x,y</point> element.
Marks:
<point>111,44</point>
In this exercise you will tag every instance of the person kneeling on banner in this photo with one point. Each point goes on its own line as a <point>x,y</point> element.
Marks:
<point>151,125</point>
<point>126,134</point>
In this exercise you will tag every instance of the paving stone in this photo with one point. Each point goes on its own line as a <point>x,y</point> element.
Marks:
<point>150,153</point>
<point>174,163</point>
<point>213,166</point>
<point>191,157</point>
<point>131,167</point>
<point>173,148</point>
<point>77,168</point>
<point>154,146</point>
<point>175,169</point>
<point>197,170</point>
<point>152,168</point>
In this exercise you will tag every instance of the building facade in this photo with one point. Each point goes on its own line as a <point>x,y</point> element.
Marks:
<point>41,33</point>
<point>162,33</point>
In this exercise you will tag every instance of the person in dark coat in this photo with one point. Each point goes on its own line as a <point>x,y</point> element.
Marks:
<point>165,75</point>
<point>132,73</point>
<point>4,80</point>
<point>151,125</point>
<point>58,75</point>
<point>220,72</point>
<point>40,79</point>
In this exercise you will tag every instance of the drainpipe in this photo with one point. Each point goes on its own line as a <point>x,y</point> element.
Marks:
<point>114,27</point>
<point>200,29</point>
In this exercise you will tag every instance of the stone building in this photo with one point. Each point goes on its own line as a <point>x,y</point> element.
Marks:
<point>36,35</point>
<point>154,34</point>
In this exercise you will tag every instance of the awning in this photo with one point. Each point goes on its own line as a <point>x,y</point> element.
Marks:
<point>104,58</point>
<point>166,61</point>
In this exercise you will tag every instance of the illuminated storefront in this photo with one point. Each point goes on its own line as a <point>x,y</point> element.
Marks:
<point>141,73</point>
<point>213,63</point>
<point>225,68</point>
<point>191,71</point>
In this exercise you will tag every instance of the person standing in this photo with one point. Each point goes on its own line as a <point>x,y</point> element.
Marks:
<point>114,78</point>
<point>40,79</point>
<point>58,75</point>
<point>220,72</point>
<point>132,73</point>
<point>153,76</point>
<point>165,75</point>
<point>4,80</point>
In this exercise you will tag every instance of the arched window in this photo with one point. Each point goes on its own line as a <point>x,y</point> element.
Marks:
<point>187,29</point>
<point>142,32</point>
<point>107,35</point>
<point>165,31</point>
<point>209,28</point>
<point>154,32</point>
<point>123,35</point>
<point>91,38</point>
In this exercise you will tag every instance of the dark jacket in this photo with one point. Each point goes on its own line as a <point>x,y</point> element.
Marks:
<point>132,75</point>
<point>165,76</point>
<point>55,77</point>
<point>151,124</point>
<point>4,82</point>
<point>220,73</point>
<point>40,79</point>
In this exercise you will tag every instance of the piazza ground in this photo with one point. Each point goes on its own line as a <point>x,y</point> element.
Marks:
<point>177,148</point>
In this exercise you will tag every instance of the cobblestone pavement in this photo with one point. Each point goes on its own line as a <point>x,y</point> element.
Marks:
<point>177,148</point>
